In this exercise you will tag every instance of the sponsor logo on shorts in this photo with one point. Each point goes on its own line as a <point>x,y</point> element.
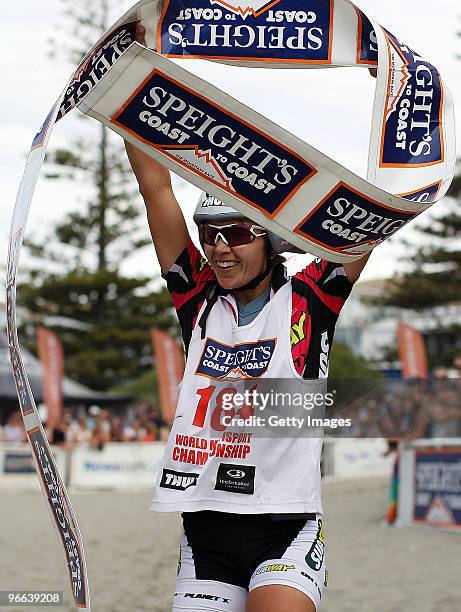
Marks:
<point>316,554</point>
<point>180,481</point>
<point>203,596</point>
<point>250,360</point>
<point>314,582</point>
<point>274,567</point>
<point>235,478</point>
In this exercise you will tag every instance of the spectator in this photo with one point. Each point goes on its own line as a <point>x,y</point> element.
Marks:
<point>100,435</point>
<point>59,432</point>
<point>14,430</point>
<point>150,433</point>
<point>81,434</point>
<point>116,434</point>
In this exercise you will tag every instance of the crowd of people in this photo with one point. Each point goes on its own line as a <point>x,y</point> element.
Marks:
<point>397,411</point>
<point>408,411</point>
<point>95,427</point>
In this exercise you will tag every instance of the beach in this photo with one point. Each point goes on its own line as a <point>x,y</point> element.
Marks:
<point>132,553</point>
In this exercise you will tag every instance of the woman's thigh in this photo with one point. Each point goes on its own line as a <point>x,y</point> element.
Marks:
<point>224,556</point>
<point>274,598</point>
<point>295,580</point>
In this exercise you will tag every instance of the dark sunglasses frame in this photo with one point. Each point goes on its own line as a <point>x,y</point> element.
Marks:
<point>233,234</point>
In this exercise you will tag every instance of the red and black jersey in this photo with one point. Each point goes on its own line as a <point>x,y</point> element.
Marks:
<point>318,294</point>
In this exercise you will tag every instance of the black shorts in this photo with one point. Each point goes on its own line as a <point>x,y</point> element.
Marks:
<point>223,556</point>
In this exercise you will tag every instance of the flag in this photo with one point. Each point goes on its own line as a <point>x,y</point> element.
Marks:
<point>51,355</point>
<point>169,361</point>
<point>412,352</point>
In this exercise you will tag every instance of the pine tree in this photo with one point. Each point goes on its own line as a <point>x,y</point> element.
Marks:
<point>435,275</point>
<point>75,285</point>
<point>433,279</point>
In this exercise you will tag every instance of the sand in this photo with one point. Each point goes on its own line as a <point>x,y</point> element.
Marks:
<point>132,553</point>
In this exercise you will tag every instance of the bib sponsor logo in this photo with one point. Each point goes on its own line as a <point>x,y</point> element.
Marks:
<point>249,360</point>
<point>235,478</point>
<point>315,556</point>
<point>213,143</point>
<point>93,68</point>
<point>180,481</point>
<point>412,130</point>
<point>348,221</point>
<point>285,30</point>
<point>367,50</point>
<point>274,567</point>
<point>236,473</point>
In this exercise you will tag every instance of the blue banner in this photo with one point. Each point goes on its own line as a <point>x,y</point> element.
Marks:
<point>94,67</point>
<point>438,487</point>
<point>347,218</point>
<point>213,143</point>
<point>367,50</point>
<point>293,30</point>
<point>412,134</point>
<point>426,194</point>
<point>18,463</point>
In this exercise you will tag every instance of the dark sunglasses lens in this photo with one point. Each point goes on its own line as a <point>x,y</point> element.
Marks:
<point>236,235</point>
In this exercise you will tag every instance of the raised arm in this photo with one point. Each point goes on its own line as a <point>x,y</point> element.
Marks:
<point>354,269</point>
<point>166,221</point>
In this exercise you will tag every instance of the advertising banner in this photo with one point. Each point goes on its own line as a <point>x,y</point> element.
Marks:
<point>412,352</point>
<point>117,466</point>
<point>17,469</point>
<point>51,356</point>
<point>359,458</point>
<point>169,365</point>
<point>437,500</point>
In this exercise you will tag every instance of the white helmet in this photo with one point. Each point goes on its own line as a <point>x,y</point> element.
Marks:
<point>211,209</point>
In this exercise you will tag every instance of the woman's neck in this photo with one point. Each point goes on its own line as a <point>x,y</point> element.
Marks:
<point>248,295</point>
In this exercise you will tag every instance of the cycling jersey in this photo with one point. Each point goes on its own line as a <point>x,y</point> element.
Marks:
<point>206,467</point>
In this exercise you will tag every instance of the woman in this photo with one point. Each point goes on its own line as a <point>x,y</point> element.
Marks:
<point>252,529</point>
<point>253,537</point>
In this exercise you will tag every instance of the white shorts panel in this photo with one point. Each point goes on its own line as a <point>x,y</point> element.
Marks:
<point>209,596</point>
<point>302,566</point>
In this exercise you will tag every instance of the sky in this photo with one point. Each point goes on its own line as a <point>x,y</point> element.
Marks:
<point>330,110</point>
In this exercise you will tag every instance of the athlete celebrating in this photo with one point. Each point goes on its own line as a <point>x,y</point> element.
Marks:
<point>252,528</point>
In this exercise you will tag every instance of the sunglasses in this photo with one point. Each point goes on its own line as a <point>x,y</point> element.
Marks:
<point>233,234</point>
